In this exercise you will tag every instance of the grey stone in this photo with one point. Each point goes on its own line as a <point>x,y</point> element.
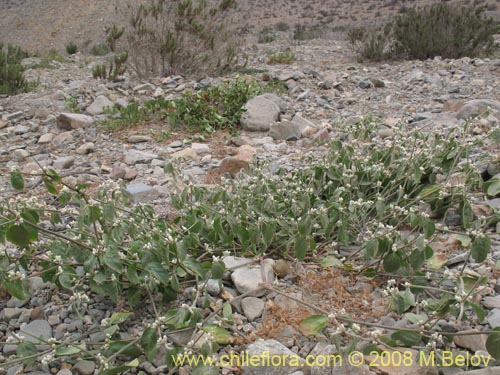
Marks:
<point>175,144</point>
<point>365,84</point>
<point>200,148</point>
<point>277,100</point>
<point>64,162</point>
<point>64,371</point>
<point>187,154</point>
<point>249,279</point>
<point>84,367</point>
<point>494,203</point>
<point>260,114</point>
<point>493,318</point>
<point>492,302</point>
<point>142,192</point>
<point>273,348</point>
<point>133,157</point>
<point>85,149</point>
<point>476,107</point>
<point>139,138</point>
<point>46,138</point>
<point>13,116</point>
<point>10,313</point>
<point>21,129</point>
<point>252,308</point>
<point>68,121</point>
<point>20,154</point>
<point>32,332</point>
<point>285,130</point>
<point>214,287</point>
<point>99,105</point>
<point>472,342</point>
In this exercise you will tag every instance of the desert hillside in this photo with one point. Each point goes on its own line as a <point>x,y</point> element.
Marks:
<point>39,25</point>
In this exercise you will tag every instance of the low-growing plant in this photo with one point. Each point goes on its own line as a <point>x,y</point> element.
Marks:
<point>71,48</point>
<point>281,58</point>
<point>113,35</point>
<point>375,195</point>
<point>12,79</point>
<point>207,110</point>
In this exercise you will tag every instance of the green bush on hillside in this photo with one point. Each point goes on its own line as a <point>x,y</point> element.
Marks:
<point>11,71</point>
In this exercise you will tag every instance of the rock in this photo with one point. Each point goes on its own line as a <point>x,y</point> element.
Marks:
<point>260,114</point>
<point>36,330</point>
<point>378,83</point>
<point>245,153</point>
<point>99,105</point>
<point>142,192</point>
<point>20,154</point>
<point>133,157</point>
<point>186,154</point>
<point>306,126</point>
<point>277,100</point>
<point>452,105</point>
<point>471,342</point>
<point>285,130</point>
<point>145,87</point>
<point>46,138</point>
<point>64,371</point>
<point>200,148</point>
<point>385,132</point>
<point>365,84</point>
<point>62,138</point>
<point>214,287</point>
<point>493,318</point>
<point>64,162</point>
<point>68,121</point>
<point>10,313</point>
<point>130,174</point>
<point>483,371</point>
<point>21,129</point>
<point>272,348</point>
<point>492,302</point>
<point>249,278</point>
<point>37,314</point>
<point>494,203</point>
<point>139,138</point>
<point>117,173</point>
<point>175,144</point>
<point>85,149</point>
<point>13,116</point>
<point>84,367</point>
<point>282,268</point>
<point>3,124</point>
<point>242,140</point>
<point>252,307</point>
<point>476,107</point>
<point>231,262</point>
<point>233,165</point>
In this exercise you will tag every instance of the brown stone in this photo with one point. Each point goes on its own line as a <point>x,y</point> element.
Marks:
<point>3,124</point>
<point>233,165</point>
<point>37,314</point>
<point>452,105</point>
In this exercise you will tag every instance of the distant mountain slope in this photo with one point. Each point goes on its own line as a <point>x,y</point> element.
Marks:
<point>39,25</point>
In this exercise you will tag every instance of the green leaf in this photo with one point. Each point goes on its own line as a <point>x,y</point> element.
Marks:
<point>493,344</point>
<point>119,345</point>
<point>481,314</point>
<point>18,235</point>
<point>205,370</point>
<point>218,269</point>
<point>407,338</point>
<point>331,261</point>
<point>392,262</point>
<point>268,232</point>
<point>480,248</point>
<point>27,349</point>
<point>69,350</point>
<point>300,248</point>
<point>16,180</point>
<point>313,325</point>
<point>221,335</point>
<point>467,215</point>
<point>119,369</point>
<point>415,318</point>
<point>403,301</point>
<point>17,288</point>
<point>49,184</point>
<point>227,311</point>
<point>120,317</point>
<point>149,342</point>
<point>429,228</point>
<point>371,249</point>
<point>493,188</point>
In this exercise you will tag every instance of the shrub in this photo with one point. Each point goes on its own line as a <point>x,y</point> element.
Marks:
<point>71,48</point>
<point>11,71</point>
<point>187,36</point>
<point>370,44</point>
<point>100,49</point>
<point>281,58</point>
<point>282,26</point>
<point>116,68</point>
<point>266,35</point>
<point>443,30</point>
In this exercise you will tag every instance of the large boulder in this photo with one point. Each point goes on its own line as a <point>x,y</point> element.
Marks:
<point>476,107</point>
<point>68,121</point>
<point>99,105</point>
<point>260,114</point>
